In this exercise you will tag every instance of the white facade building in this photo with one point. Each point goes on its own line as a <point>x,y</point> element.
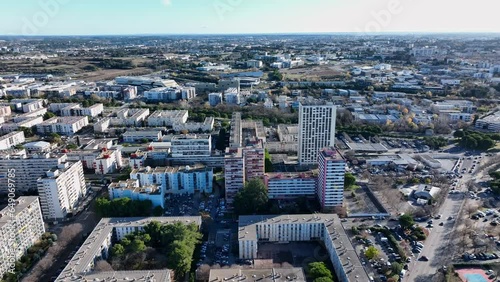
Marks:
<point>11,139</point>
<point>62,125</point>
<point>316,130</point>
<point>176,180</point>
<point>21,226</point>
<point>28,168</point>
<point>170,94</point>
<point>206,126</point>
<point>326,228</point>
<point>135,136</point>
<point>290,186</point>
<point>61,190</point>
<point>330,188</point>
<point>214,99</point>
<point>167,118</point>
<point>191,146</point>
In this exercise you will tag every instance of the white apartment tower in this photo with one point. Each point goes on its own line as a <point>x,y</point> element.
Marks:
<point>316,129</point>
<point>61,190</point>
<point>330,185</point>
<point>20,227</point>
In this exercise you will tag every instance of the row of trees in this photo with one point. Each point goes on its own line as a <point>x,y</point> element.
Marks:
<point>178,240</point>
<point>435,142</point>
<point>125,207</point>
<point>476,140</point>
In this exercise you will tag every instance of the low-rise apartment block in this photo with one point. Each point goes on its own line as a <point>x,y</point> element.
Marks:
<point>176,180</point>
<point>74,109</point>
<point>62,125</point>
<point>191,146</point>
<point>290,185</point>
<point>168,94</point>
<point>61,190</point>
<point>20,228</point>
<point>11,139</point>
<point>490,123</point>
<point>138,136</point>
<point>167,118</point>
<point>131,189</point>
<point>206,126</point>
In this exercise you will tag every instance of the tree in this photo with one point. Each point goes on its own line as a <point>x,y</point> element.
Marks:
<point>252,198</point>
<point>28,131</point>
<point>48,115</point>
<point>318,270</point>
<point>118,250</point>
<point>396,267</point>
<point>371,252</point>
<point>158,211</point>
<point>406,221</point>
<point>137,246</point>
<point>349,180</point>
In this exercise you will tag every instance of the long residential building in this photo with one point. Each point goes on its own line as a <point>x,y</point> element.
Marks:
<point>11,139</point>
<point>169,94</point>
<point>62,125</point>
<point>27,169</point>
<point>191,145</point>
<point>316,129</point>
<point>20,228</point>
<point>98,244</point>
<point>132,189</point>
<point>326,228</point>
<point>290,185</point>
<point>176,180</point>
<point>490,123</point>
<point>136,136</point>
<point>167,118</point>
<point>61,190</point>
<point>206,126</point>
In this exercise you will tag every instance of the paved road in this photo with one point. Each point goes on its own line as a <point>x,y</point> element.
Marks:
<point>438,242</point>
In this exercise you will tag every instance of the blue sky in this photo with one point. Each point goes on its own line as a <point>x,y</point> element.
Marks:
<point>84,17</point>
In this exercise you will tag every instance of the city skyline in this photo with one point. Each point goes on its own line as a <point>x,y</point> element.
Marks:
<point>64,17</point>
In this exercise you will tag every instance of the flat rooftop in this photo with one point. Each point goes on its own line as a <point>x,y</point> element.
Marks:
<point>344,249</point>
<point>263,275</point>
<point>146,276</point>
<point>21,204</point>
<point>168,114</point>
<point>367,147</point>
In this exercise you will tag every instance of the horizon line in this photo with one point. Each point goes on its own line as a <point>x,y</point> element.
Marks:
<point>407,33</point>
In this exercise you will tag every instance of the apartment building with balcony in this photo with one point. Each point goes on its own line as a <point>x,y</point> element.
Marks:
<point>20,228</point>
<point>62,125</point>
<point>61,190</point>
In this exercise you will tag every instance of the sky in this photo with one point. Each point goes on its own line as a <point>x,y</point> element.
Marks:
<point>110,17</point>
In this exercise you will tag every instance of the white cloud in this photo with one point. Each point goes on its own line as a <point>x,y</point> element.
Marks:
<point>166,2</point>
